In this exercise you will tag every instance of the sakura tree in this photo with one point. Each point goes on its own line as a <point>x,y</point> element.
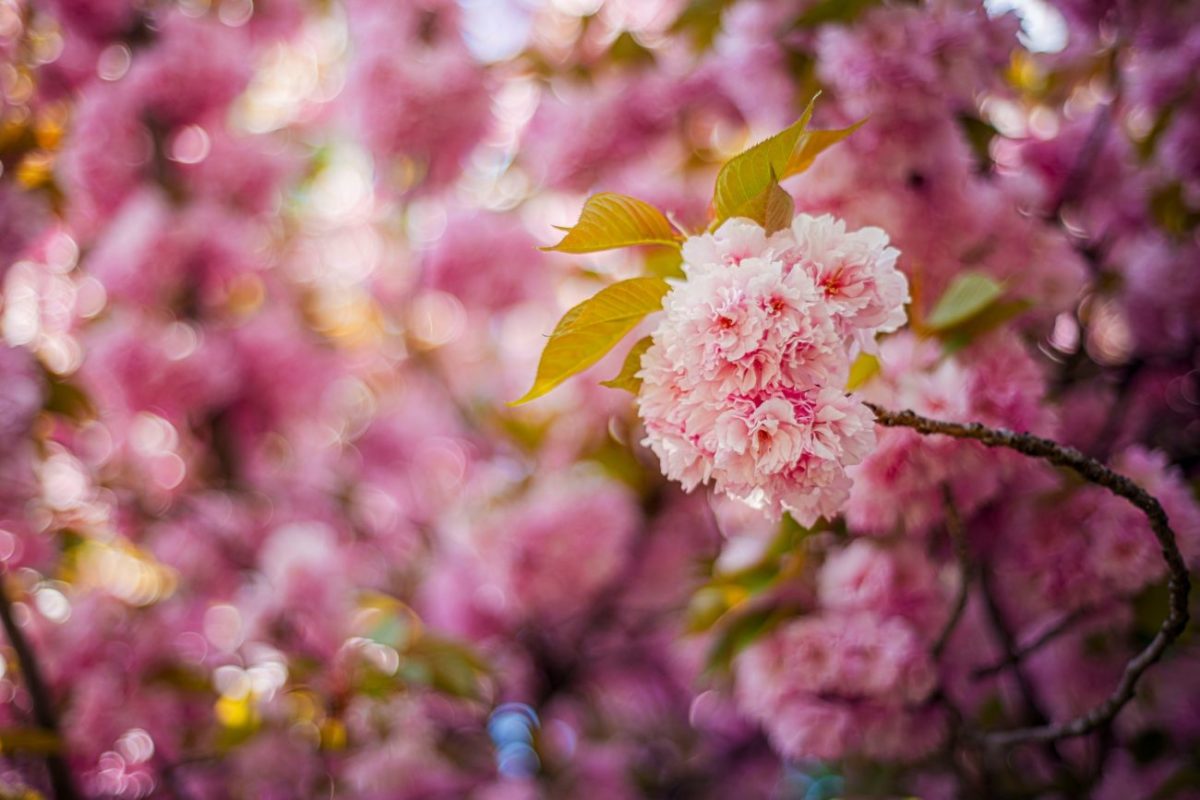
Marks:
<point>859,459</point>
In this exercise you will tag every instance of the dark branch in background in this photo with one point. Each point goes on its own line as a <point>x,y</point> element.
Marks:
<point>962,553</point>
<point>1067,622</point>
<point>1008,643</point>
<point>1178,582</point>
<point>43,707</point>
<point>1081,170</point>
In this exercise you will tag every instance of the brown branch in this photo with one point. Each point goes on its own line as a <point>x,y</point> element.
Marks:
<point>1081,170</point>
<point>1091,470</point>
<point>958,538</point>
<point>1022,652</point>
<point>44,714</point>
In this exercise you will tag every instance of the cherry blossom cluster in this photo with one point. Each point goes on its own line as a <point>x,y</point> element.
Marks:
<point>744,385</point>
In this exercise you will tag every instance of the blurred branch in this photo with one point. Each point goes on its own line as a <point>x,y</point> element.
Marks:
<point>44,714</point>
<point>1081,170</point>
<point>1091,470</point>
<point>1067,622</point>
<point>958,538</point>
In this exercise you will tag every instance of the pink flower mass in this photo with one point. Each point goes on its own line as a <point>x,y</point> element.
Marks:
<point>863,450</point>
<point>743,384</point>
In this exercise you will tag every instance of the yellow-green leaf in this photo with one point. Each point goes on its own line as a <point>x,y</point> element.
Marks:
<point>992,317</point>
<point>861,371</point>
<point>663,262</point>
<point>627,378</point>
<point>968,295</point>
<point>613,220</point>
<point>838,11</point>
<point>28,740</point>
<point>812,143</point>
<point>589,330</point>
<point>781,208</point>
<point>773,208</point>
<point>789,152</point>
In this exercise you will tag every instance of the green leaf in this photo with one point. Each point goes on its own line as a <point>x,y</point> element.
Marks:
<point>980,134</point>
<point>28,740</point>
<point>812,144</point>
<point>1170,210</point>
<point>968,295</point>
<point>589,330</point>
<point>862,370</point>
<point>773,208</point>
<point>625,49</point>
<point>745,176</point>
<point>781,208</point>
<point>447,666</point>
<point>826,11</point>
<point>613,220</point>
<point>663,262</point>
<point>67,400</point>
<point>627,378</point>
<point>789,152</point>
<point>992,317</point>
<point>739,634</point>
<point>702,20</point>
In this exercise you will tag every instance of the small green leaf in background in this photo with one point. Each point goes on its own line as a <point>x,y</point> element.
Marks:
<point>67,400</point>
<point>862,370</point>
<point>980,134</point>
<point>968,295</point>
<point>589,330</point>
<point>738,634</point>
<point>789,152</point>
<point>613,220</point>
<point>627,378</point>
<point>627,50</point>
<point>702,20</point>
<point>959,336</point>
<point>1170,210</point>
<point>445,665</point>
<point>28,740</point>
<point>838,11</point>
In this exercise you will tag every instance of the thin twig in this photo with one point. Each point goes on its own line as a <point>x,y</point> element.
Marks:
<point>44,714</point>
<point>1178,582</point>
<point>1081,170</point>
<point>962,553</point>
<point>1008,643</point>
<point>1022,652</point>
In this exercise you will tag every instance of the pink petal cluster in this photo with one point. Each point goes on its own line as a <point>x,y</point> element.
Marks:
<point>1093,546</point>
<point>437,104</point>
<point>540,557</point>
<point>900,581</point>
<point>898,486</point>
<point>743,385</point>
<point>839,684</point>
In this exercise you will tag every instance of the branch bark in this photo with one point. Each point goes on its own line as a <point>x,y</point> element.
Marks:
<point>962,553</point>
<point>1178,581</point>
<point>44,714</point>
<point>1023,651</point>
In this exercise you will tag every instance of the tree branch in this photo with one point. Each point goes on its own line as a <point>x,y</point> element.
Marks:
<point>958,539</point>
<point>1091,470</point>
<point>44,714</point>
<point>1063,625</point>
